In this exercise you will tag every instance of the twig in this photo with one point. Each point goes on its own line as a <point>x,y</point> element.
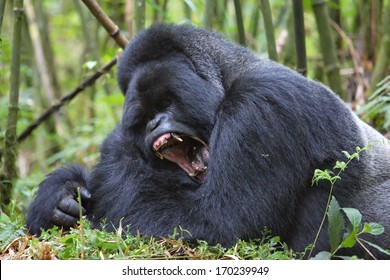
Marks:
<point>65,99</point>
<point>114,32</point>
<point>361,85</point>
<point>365,249</point>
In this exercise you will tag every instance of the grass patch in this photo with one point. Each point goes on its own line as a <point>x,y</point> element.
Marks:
<point>84,242</point>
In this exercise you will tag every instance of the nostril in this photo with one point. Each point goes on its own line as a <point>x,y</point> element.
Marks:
<point>153,124</point>
<point>156,122</point>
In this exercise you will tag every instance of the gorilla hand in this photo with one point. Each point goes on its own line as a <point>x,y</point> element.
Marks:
<point>56,200</point>
<point>67,212</point>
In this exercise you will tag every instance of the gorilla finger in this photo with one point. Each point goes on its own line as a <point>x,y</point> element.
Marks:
<point>70,206</point>
<point>84,193</point>
<point>60,218</point>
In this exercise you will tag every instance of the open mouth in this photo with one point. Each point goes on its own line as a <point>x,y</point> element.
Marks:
<point>189,152</point>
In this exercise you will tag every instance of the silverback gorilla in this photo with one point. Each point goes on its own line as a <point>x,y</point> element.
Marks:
<point>222,143</point>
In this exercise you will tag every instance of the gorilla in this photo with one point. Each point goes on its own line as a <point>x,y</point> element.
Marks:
<point>222,143</point>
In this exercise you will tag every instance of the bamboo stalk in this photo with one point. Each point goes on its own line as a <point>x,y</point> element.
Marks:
<point>40,61</point>
<point>10,152</point>
<point>160,10</point>
<point>335,16</point>
<point>240,23</point>
<point>328,47</point>
<point>220,13</point>
<point>139,16</point>
<point>90,51</point>
<point>42,22</point>
<point>254,22</point>
<point>84,22</point>
<point>299,28</point>
<point>2,8</point>
<point>111,28</point>
<point>383,59</point>
<point>129,17</point>
<point>269,29</point>
<point>208,13</point>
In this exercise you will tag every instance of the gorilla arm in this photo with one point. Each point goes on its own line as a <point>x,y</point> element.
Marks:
<point>56,200</point>
<point>250,183</point>
<point>268,138</point>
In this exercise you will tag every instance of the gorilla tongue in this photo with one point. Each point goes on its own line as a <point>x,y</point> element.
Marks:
<point>189,152</point>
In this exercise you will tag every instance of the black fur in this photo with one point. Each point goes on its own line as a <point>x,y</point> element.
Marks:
<point>267,128</point>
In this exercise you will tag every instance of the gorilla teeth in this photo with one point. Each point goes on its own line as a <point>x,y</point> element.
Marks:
<point>166,145</point>
<point>159,155</point>
<point>189,152</point>
<point>177,137</point>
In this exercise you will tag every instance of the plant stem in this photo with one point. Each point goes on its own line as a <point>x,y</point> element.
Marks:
<point>330,197</point>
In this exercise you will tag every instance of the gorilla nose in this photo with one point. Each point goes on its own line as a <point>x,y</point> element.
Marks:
<point>156,122</point>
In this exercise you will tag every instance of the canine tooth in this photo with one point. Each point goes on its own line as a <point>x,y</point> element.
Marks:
<point>159,155</point>
<point>176,137</point>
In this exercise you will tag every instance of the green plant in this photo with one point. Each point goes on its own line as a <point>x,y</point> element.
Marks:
<point>11,227</point>
<point>379,104</point>
<point>341,236</point>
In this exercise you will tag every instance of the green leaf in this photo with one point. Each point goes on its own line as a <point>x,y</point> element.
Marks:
<point>191,5</point>
<point>322,175</point>
<point>68,239</point>
<point>340,165</point>
<point>376,247</point>
<point>350,240</point>
<point>275,239</point>
<point>322,256</point>
<point>373,228</point>
<point>347,257</point>
<point>334,178</point>
<point>4,218</point>
<point>353,216</point>
<point>355,219</point>
<point>9,231</point>
<point>346,154</point>
<point>335,224</point>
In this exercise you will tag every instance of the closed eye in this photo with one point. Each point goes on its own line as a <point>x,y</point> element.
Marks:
<point>163,104</point>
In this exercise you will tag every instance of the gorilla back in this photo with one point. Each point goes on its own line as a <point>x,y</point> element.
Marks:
<point>223,144</point>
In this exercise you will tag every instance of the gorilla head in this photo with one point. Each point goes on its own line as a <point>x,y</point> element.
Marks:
<point>222,143</point>
<point>172,110</point>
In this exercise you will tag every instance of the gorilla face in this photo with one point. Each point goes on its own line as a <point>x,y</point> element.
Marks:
<point>169,112</point>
